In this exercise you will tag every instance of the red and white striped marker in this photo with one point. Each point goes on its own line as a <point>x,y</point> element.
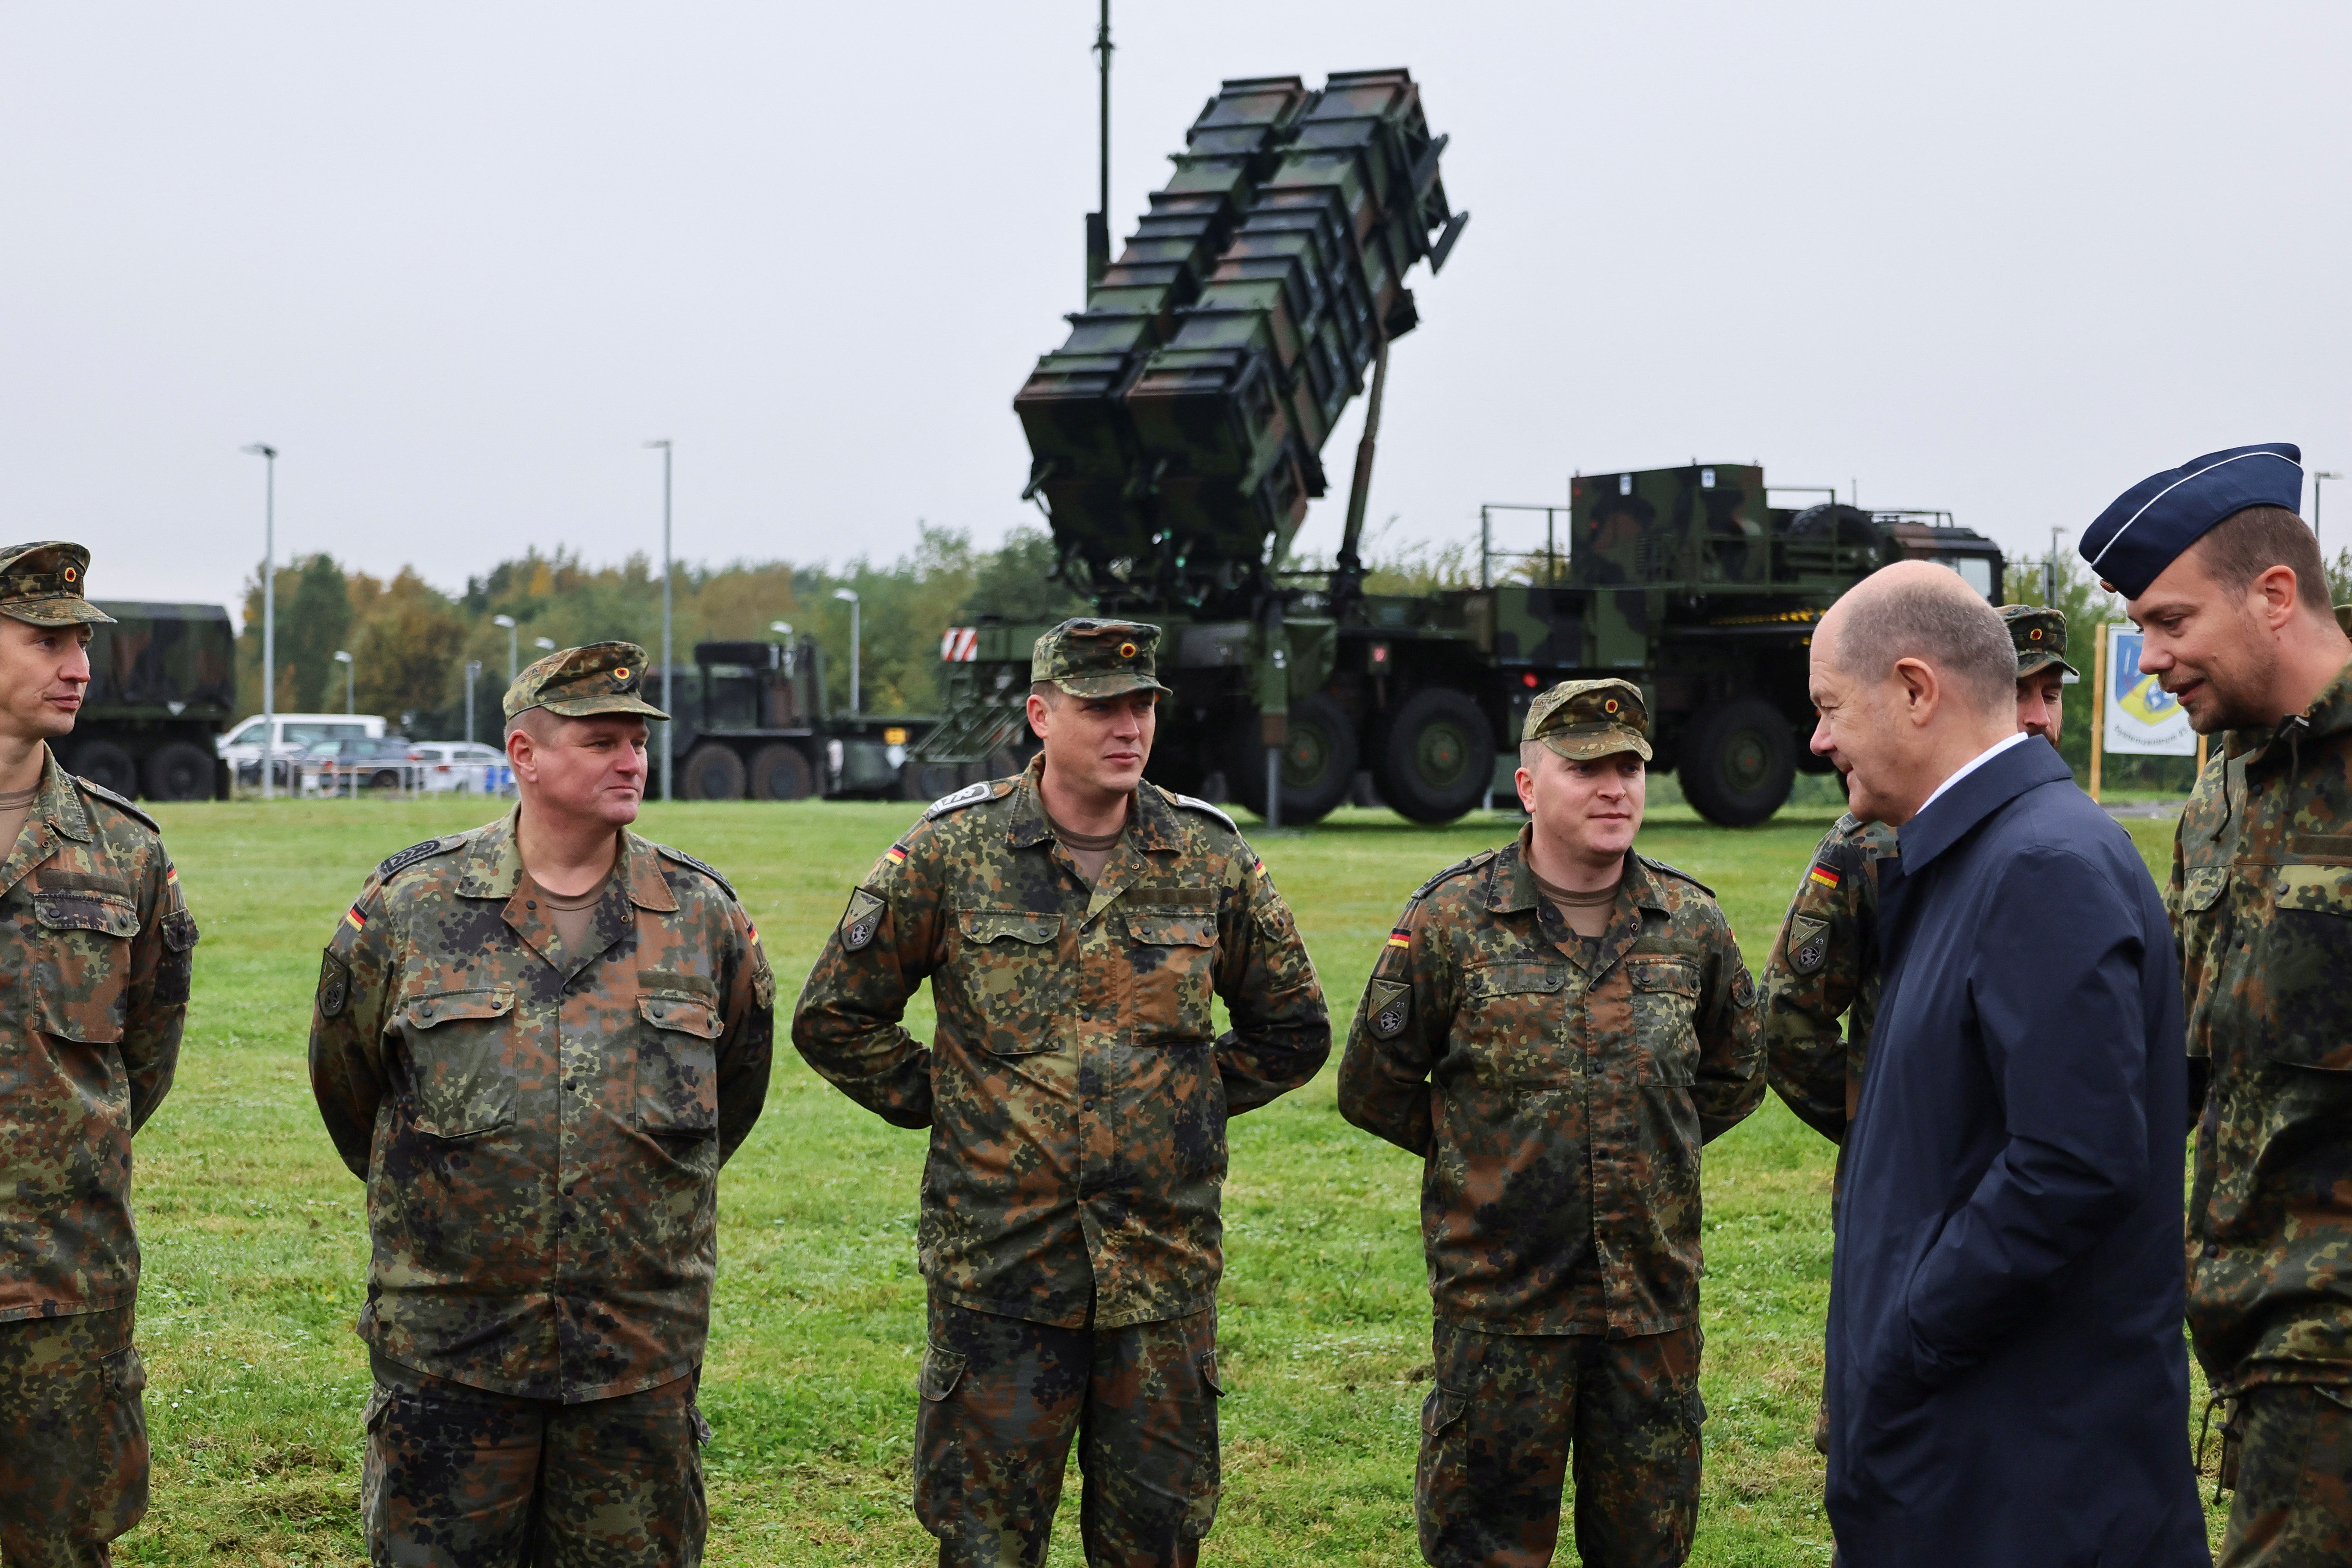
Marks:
<point>960,645</point>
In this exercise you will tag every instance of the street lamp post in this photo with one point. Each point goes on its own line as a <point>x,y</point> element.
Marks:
<point>2318,479</point>
<point>851,595</point>
<point>667,728</point>
<point>473,674</point>
<point>351,682</point>
<point>268,455</point>
<point>544,644</point>
<point>508,622</point>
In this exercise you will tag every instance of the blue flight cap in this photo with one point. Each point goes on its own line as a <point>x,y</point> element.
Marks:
<point>2149,525</point>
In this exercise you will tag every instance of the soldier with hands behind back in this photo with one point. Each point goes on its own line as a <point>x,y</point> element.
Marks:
<point>1076,923</point>
<point>537,1042</point>
<point>1555,1028</point>
<point>99,945</point>
<point>2227,586</point>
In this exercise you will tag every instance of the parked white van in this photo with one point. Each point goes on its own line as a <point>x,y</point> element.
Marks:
<point>295,731</point>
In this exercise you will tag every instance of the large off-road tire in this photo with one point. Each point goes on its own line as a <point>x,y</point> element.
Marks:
<point>711,771</point>
<point>1318,762</point>
<point>1738,758</point>
<point>782,772</point>
<point>1436,756</point>
<point>178,771</point>
<point>107,766</point>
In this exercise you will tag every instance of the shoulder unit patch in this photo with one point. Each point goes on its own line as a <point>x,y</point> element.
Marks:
<point>1388,1004</point>
<point>1807,944</point>
<point>391,864</point>
<point>683,858</point>
<point>861,919</point>
<point>971,794</point>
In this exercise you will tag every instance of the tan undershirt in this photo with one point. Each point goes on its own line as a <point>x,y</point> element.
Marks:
<point>573,916</point>
<point>15,806</point>
<point>1091,850</point>
<point>1587,914</point>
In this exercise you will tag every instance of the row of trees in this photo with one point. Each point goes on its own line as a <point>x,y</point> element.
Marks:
<point>410,642</point>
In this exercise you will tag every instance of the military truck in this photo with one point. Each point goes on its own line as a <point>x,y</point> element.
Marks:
<point>753,720</point>
<point>162,685</point>
<point>1175,442</point>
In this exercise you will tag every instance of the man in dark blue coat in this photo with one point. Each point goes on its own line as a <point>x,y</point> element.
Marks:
<point>2008,1383</point>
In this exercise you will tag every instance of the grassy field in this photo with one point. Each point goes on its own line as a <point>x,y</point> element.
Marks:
<point>256,1250</point>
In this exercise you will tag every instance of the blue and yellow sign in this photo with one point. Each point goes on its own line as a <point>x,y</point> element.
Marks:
<point>2140,716</point>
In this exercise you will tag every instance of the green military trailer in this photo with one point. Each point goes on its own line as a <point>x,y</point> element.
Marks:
<point>162,687</point>
<point>1175,441</point>
<point>753,722</point>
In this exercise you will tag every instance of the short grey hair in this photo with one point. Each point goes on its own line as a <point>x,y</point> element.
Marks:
<point>1961,636</point>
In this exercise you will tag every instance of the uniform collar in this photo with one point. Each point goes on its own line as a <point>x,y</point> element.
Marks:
<point>59,804</point>
<point>1152,822</point>
<point>1511,881</point>
<point>493,865</point>
<point>1999,780</point>
<point>2330,713</point>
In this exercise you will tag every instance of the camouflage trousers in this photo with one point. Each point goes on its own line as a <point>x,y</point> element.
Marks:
<point>2292,1447</point>
<point>1002,1399</point>
<point>461,1478</point>
<point>1509,1415</point>
<point>73,1438</point>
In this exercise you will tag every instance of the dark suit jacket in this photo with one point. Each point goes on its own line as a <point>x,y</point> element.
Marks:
<point>2007,1382</point>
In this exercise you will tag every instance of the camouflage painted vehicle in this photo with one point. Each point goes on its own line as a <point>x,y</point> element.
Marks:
<point>162,687</point>
<point>1175,440</point>
<point>753,722</point>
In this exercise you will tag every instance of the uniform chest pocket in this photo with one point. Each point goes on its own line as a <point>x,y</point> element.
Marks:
<point>1508,1023</point>
<point>459,1083</point>
<point>2306,969</point>
<point>676,1064</point>
<point>1173,956</point>
<point>2201,887</point>
<point>1666,1017</point>
<point>1008,963</point>
<point>82,971</point>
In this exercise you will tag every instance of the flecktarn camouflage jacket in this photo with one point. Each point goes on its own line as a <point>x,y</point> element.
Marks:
<point>1825,967</point>
<point>1561,1113</point>
<point>1075,1089</point>
<point>541,1130</point>
<point>98,946</point>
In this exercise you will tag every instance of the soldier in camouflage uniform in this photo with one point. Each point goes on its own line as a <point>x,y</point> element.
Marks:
<point>98,946</point>
<point>2228,587</point>
<point>538,1087</point>
<point>1559,1083</point>
<point>1077,1096</point>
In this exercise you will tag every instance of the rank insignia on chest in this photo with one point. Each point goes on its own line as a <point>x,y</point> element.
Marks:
<point>1823,876</point>
<point>1390,1005</point>
<point>859,921</point>
<point>1807,942</point>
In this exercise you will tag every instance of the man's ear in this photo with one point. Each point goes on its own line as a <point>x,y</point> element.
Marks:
<point>2272,596</point>
<point>1038,709</point>
<point>1919,686</point>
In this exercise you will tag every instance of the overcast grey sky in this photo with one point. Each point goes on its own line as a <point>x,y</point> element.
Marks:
<point>460,261</point>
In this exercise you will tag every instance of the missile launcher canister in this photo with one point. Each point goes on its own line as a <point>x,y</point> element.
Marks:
<point>1176,436</point>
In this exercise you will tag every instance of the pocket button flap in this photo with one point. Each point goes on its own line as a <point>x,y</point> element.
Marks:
<point>447,1006</point>
<point>2203,885</point>
<point>1021,925</point>
<point>942,1372</point>
<point>2317,889</point>
<point>1673,977</point>
<point>75,909</point>
<point>689,1015</point>
<point>1516,979</point>
<point>1186,930</point>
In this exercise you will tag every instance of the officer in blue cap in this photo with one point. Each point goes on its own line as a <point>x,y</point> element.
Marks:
<point>2227,586</point>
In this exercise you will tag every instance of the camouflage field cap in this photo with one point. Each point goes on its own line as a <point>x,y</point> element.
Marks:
<point>1089,658</point>
<point>1583,719</point>
<point>41,584</point>
<point>2040,634</point>
<point>579,682</point>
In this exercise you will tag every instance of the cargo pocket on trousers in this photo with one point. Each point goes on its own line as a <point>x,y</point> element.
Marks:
<point>1209,1373</point>
<point>1441,1412</point>
<point>942,1370</point>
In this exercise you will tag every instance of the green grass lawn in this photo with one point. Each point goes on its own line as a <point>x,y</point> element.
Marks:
<point>256,1250</point>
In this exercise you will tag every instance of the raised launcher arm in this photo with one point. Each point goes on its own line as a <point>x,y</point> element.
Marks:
<point>1176,436</point>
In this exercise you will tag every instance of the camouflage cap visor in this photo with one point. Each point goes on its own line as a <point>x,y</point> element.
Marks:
<point>1111,685</point>
<point>597,706</point>
<point>2040,659</point>
<point>61,611</point>
<point>1584,742</point>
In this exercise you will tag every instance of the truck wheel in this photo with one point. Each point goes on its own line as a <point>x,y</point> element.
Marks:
<point>928,781</point>
<point>1436,756</point>
<point>780,773</point>
<point>179,772</point>
<point>1737,760</point>
<point>1318,762</point>
<point>711,772</point>
<point>107,766</point>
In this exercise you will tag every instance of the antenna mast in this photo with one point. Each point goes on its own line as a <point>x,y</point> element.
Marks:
<point>1099,221</point>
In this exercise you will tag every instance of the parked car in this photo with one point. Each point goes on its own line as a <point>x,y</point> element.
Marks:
<point>461,767</point>
<point>360,762</point>
<point>297,733</point>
